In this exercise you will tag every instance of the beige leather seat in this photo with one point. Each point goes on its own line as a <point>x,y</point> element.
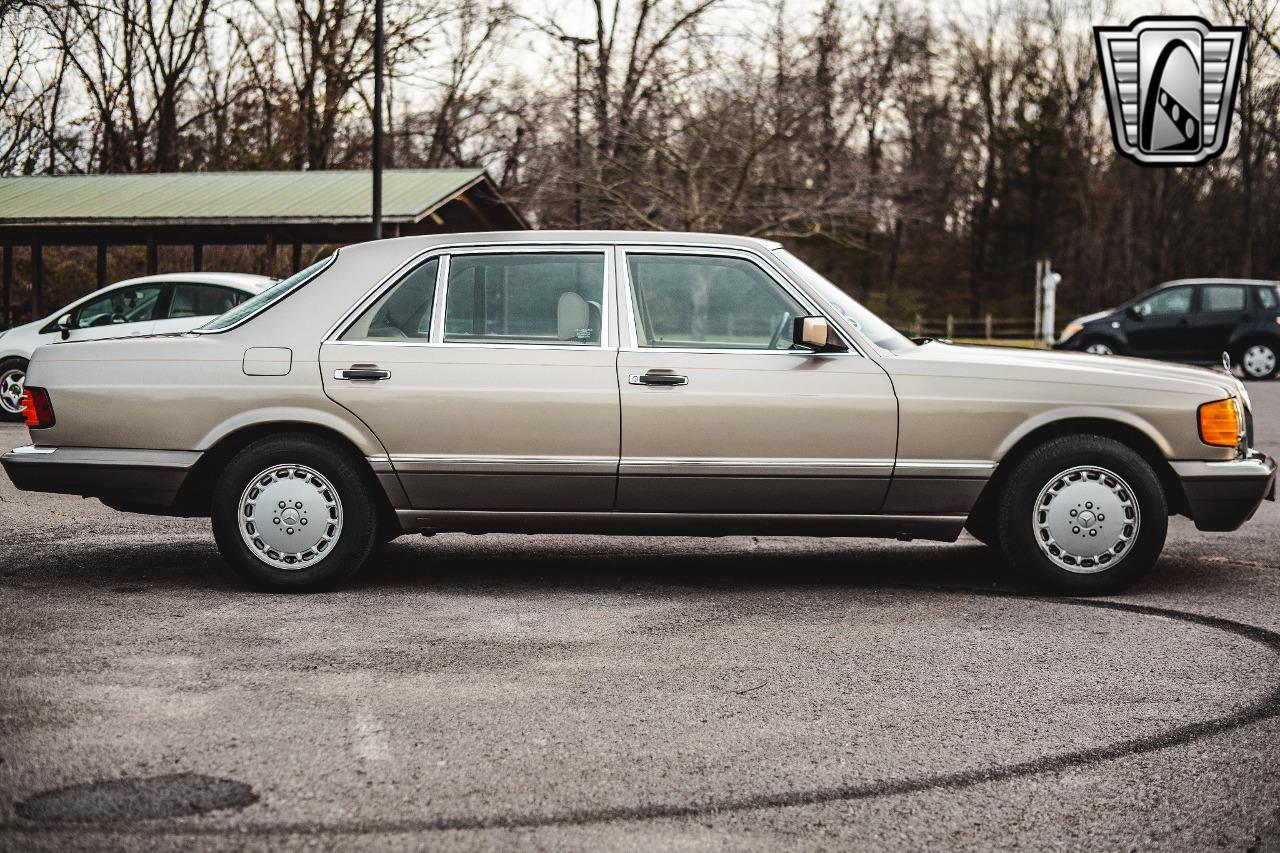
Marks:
<point>573,319</point>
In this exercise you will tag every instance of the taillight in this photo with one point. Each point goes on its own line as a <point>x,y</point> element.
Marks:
<point>1220,423</point>
<point>37,407</point>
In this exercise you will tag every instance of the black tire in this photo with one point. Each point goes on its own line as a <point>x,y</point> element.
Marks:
<point>357,511</point>
<point>1098,341</point>
<point>1260,356</point>
<point>8,368</point>
<point>1017,515</point>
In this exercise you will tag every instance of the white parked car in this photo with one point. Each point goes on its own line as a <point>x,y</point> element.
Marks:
<point>151,305</point>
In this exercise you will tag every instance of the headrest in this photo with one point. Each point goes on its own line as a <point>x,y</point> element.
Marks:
<point>572,316</point>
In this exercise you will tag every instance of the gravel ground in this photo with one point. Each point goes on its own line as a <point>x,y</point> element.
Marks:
<point>579,693</point>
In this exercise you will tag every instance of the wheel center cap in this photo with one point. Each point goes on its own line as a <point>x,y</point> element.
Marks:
<point>289,516</point>
<point>1086,519</point>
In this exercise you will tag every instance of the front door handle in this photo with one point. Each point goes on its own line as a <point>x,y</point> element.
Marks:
<point>667,380</point>
<point>362,374</point>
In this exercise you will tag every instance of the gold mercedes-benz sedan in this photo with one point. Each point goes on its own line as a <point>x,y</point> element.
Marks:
<point>602,382</point>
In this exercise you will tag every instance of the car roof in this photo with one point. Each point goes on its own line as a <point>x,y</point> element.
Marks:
<point>1252,282</point>
<point>571,236</point>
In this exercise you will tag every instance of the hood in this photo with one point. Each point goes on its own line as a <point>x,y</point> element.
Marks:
<point>1073,368</point>
<point>1089,318</point>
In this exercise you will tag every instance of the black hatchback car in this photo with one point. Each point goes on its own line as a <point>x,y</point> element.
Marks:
<point>1190,320</point>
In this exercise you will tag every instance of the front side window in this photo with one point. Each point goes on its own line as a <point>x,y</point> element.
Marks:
<point>1222,297</point>
<point>266,298</point>
<point>202,300</point>
<point>403,313</point>
<point>547,298</point>
<point>1166,303</point>
<point>702,302</point>
<point>122,305</point>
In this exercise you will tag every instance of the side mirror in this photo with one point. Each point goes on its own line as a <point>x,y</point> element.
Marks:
<point>815,333</point>
<point>64,326</point>
<point>1134,312</point>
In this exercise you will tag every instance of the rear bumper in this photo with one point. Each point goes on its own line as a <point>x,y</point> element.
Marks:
<point>1224,495</point>
<point>124,476</point>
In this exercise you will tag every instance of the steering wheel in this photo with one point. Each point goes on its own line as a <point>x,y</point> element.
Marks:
<point>778,332</point>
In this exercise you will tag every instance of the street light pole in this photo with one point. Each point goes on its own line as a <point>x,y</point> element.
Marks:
<point>578,44</point>
<point>377,119</point>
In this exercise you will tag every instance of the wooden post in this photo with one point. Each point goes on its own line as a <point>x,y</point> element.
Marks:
<point>102,265</point>
<point>153,256</point>
<point>37,278</point>
<point>917,327</point>
<point>951,327</point>
<point>197,257</point>
<point>988,326</point>
<point>268,261</point>
<point>296,258</point>
<point>8,284</point>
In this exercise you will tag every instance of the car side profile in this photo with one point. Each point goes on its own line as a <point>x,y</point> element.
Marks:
<point>618,382</point>
<point>1190,320</point>
<point>153,304</point>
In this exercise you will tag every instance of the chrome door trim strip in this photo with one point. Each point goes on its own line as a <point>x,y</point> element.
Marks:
<point>728,467</point>
<point>946,468</point>
<point>467,463</point>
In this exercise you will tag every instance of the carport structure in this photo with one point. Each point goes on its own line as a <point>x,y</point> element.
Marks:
<point>269,209</point>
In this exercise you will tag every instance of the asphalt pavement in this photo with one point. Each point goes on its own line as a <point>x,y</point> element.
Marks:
<point>586,693</point>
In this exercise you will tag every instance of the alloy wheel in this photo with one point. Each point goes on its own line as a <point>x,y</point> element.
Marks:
<point>290,516</point>
<point>11,384</point>
<point>1086,519</point>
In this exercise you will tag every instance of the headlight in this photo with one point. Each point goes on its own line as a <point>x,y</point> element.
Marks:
<point>1071,330</point>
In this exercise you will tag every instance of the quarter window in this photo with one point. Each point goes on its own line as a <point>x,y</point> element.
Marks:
<point>1175,300</point>
<point>403,312</point>
<point>700,302</point>
<point>547,298</point>
<point>1222,297</point>
<point>122,305</point>
<point>202,300</point>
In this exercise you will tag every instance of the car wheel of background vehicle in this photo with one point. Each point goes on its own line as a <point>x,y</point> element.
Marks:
<point>1258,360</point>
<point>1100,346</point>
<point>1083,514</point>
<point>294,513</point>
<point>13,374</point>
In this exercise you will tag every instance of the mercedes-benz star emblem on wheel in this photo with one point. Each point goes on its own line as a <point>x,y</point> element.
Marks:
<point>1171,84</point>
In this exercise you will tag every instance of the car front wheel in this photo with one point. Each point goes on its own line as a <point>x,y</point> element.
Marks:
<point>1099,346</point>
<point>294,513</point>
<point>13,375</point>
<point>1083,515</point>
<point>1258,361</point>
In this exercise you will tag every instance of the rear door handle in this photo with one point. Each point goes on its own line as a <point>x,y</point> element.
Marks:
<point>664,379</point>
<point>362,374</point>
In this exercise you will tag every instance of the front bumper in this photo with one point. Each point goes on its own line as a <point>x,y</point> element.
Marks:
<point>117,475</point>
<point>1224,495</point>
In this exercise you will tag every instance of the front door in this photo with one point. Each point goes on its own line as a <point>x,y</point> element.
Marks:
<point>1160,323</point>
<point>489,378</point>
<point>720,415</point>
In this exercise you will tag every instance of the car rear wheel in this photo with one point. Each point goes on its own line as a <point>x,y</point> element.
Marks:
<point>294,513</point>
<point>1083,515</point>
<point>13,375</point>
<point>1258,360</point>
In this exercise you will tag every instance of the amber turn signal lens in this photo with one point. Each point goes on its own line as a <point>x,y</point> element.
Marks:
<point>1220,423</point>
<point>37,408</point>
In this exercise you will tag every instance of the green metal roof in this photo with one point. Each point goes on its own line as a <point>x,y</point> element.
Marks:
<point>408,195</point>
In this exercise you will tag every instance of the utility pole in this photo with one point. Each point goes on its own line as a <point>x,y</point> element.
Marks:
<point>377,119</point>
<point>578,45</point>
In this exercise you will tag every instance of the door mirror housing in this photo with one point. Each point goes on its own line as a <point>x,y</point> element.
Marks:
<point>1134,312</point>
<point>814,333</point>
<point>64,326</point>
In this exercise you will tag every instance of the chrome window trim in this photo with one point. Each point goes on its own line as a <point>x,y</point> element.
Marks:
<point>770,268</point>
<point>440,303</point>
<point>328,262</point>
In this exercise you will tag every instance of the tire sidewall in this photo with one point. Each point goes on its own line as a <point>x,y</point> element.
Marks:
<point>6,365</point>
<point>359,524</point>
<point>1018,540</point>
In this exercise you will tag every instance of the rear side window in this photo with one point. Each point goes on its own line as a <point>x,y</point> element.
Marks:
<point>525,298</point>
<point>403,313</point>
<point>1222,297</point>
<point>1267,298</point>
<point>266,298</point>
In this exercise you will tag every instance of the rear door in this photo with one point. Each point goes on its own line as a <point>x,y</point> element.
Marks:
<point>488,374</point>
<point>1220,310</point>
<point>721,416</point>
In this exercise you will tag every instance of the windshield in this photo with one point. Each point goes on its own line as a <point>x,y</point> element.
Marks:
<point>878,331</point>
<point>266,298</point>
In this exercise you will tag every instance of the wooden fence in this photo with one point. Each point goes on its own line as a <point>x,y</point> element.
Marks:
<point>986,328</point>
